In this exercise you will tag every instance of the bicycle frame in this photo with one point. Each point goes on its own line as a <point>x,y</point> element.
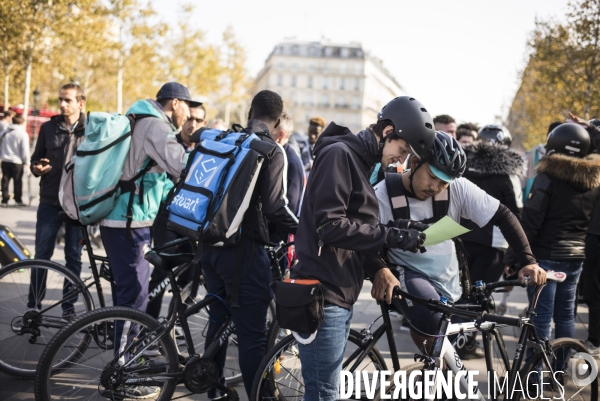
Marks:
<point>442,349</point>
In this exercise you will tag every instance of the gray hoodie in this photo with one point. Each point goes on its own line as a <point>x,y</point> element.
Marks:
<point>14,145</point>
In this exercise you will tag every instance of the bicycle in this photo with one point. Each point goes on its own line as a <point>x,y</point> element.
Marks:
<point>362,355</point>
<point>280,378</point>
<point>77,364</point>
<point>557,358</point>
<point>25,330</point>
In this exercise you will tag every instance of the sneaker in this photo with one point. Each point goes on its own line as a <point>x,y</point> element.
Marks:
<point>4,204</point>
<point>141,392</point>
<point>592,350</point>
<point>471,351</point>
<point>152,351</point>
<point>20,204</point>
<point>136,392</point>
<point>501,309</point>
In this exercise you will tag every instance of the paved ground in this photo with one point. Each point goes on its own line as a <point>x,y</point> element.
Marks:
<point>22,222</point>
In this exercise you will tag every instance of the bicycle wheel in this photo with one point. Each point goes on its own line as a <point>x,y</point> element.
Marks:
<point>31,313</point>
<point>396,394</point>
<point>569,372</point>
<point>279,376</point>
<point>496,357</point>
<point>91,370</point>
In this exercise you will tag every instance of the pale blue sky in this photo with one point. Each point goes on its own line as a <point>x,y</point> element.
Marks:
<point>457,57</point>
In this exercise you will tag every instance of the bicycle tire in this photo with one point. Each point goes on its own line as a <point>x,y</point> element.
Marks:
<point>70,381</point>
<point>419,366</point>
<point>18,322</point>
<point>563,349</point>
<point>265,380</point>
<point>496,358</point>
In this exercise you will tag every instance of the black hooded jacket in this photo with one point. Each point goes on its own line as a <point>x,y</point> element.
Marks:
<point>57,144</point>
<point>339,215</point>
<point>490,167</point>
<point>557,213</point>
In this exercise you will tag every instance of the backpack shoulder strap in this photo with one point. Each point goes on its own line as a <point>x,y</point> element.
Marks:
<point>397,196</point>
<point>441,204</point>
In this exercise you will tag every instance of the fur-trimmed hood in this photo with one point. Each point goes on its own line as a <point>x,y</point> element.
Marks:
<point>581,174</point>
<point>488,158</point>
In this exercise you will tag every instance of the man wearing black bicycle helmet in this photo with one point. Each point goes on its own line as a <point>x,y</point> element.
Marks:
<point>495,133</point>
<point>432,189</point>
<point>405,122</point>
<point>338,226</point>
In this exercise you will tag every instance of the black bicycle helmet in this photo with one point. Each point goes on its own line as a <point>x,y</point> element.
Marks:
<point>495,133</point>
<point>595,122</point>
<point>446,158</point>
<point>568,139</point>
<point>411,122</point>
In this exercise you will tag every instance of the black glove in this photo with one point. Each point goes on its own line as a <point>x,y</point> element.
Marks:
<point>406,224</point>
<point>407,240</point>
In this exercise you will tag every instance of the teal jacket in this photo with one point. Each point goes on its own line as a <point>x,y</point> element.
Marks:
<point>153,139</point>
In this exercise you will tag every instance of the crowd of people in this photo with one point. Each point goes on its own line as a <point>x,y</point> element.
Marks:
<point>357,204</point>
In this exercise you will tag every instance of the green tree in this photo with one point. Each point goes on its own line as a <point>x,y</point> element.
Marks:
<point>562,74</point>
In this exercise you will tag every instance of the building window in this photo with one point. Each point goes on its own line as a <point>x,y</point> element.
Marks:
<point>312,51</point>
<point>311,66</point>
<point>295,49</point>
<point>293,81</point>
<point>325,83</point>
<point>357,84</point>
<point>343,68</point>
<point>325,66</point>
<point>294,65</point>
<point>281,65</point>
<point>328,51</point>
<point>309,100</point>
<point>341,101</point>
<point>342,84</point>
<point>279,80</point>
<point>355,102</point>
<point>309,82</point>
<point>324,101</point>
<point>344,52</point>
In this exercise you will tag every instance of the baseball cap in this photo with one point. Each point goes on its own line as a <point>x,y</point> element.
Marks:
<point>174,90</point>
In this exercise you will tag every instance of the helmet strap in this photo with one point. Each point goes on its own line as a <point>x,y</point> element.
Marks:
<point>412,172</point>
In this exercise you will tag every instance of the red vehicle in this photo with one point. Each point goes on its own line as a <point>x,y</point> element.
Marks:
<point>35,118</point>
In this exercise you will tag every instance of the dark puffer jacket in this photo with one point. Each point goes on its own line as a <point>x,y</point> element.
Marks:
<point>495,169</point>
<point>557,213</point>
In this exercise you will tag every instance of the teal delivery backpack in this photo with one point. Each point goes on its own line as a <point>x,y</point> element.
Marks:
<point>91,182</point>
<point>216,187</point>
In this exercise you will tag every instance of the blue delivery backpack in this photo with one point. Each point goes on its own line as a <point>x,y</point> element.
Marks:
<point>216,187</point>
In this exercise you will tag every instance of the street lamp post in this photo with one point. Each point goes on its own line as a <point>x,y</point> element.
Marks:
<point>36,98</point>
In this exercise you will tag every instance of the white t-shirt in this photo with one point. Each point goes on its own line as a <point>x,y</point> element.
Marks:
<point>439,263</point>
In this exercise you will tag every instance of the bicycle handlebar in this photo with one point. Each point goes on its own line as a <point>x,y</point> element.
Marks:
<point>500,284</point>
<point>437,306</point>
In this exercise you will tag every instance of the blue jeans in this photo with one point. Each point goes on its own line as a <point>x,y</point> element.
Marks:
<point>322,359</point>
<point>254,297</point>
<point>557,300</point>
<point>46,229</point>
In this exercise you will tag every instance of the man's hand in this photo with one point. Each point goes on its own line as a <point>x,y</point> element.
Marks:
<point>535,273</point>
<point>383,285</point>
<point>579,120</point>
<point>41,169</point>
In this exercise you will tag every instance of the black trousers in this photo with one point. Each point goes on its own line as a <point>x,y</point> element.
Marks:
<point>485,262</point>
<point>15,172</point>
<point>590,277</point>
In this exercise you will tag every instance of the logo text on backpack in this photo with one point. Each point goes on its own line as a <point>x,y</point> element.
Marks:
<point>186,203</point>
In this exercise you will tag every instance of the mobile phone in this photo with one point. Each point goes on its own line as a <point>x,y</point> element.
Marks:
<point>42,162</point>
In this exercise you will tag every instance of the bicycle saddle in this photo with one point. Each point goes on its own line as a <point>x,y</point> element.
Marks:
<point>167,261</point>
